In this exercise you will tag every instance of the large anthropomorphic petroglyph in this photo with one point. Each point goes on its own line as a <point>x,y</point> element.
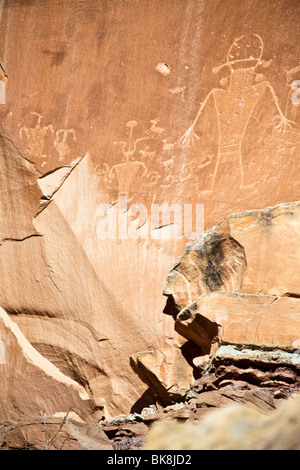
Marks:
<point>235,105</point>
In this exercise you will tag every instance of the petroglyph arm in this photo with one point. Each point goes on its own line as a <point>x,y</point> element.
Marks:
<point>188,137</point>
<point>284,123</point>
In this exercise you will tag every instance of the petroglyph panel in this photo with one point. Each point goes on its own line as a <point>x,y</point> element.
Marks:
<point>41,137</point>
<point>234,106</point>
<point>35,137</point>
<point>213,98</point>
<point>172,102</point>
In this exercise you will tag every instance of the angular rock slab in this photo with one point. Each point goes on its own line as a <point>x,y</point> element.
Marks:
<point>166,371</point>
<point>245,319</point>
<point>197,328</point>
<point>52,433</point>
<point>255,252</point>
<point>30,384</point>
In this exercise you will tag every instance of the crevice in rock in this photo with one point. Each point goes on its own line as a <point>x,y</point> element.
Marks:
<point>170,307</point>
<point>11,239</point>
<point>145,400</point>
<point>190,351</point>
<point>292,294</point>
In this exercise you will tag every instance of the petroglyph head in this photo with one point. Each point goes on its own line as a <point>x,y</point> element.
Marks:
<point>245,52</point>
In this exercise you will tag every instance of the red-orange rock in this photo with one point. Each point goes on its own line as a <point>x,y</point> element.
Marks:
<point>199,328</point>
<point>32,385</point>
<point>52,433</point>
<point>168,114</point>
<point>166,371</point>
<point>241,319</point>
<point>244,253</point>
<point>51,264</point>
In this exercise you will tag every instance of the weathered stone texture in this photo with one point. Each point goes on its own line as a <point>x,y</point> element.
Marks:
<point>30,384</point>
<point>241,319</point>
<point>262,309</point>
<point>166,371</point>
<point>177,102</point>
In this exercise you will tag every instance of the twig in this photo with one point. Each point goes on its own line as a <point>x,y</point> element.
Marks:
<point>49,442</point>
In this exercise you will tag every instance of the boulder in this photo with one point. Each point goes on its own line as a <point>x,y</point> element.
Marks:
<point>166,371</point>
<point>247,319</point>
<point>245,253</point>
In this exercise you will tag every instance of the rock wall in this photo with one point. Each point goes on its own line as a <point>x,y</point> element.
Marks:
<point>110,110</point>
<point>225,292</point>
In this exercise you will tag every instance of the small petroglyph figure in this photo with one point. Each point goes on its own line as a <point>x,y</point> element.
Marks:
<point>167,157</point>
<point>146,154</point>
<point>293,102</point>
<point>127,171</point>
<point>36,137</point>
<point>61,142</point>
<point>207,161</point>
<point>154,131</point>
<point>129,148</point>
<point>130,168</point>
<point>234,106</point>
<point>168,147</point>
<point>167,163</point>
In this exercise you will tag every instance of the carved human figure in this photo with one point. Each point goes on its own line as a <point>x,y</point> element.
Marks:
<point>234,105</point>
<point>127,171</point>
<point>60,143</point>
<point>36,137</point>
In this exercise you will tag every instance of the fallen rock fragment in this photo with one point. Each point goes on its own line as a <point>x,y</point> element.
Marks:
<point>52,433</point>
<point>196,327</point>
<point>258,320</point>
<point>214,262</point>
<point>166,371</point>
<point>88,436</point>
<point>33,385</point>
<point>220,398</point>
<point>245,253</point>
<point>126,436</point>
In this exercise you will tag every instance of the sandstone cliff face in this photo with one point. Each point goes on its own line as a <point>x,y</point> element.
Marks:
<point>131,97</point>
<point>228,289</point>
<point>109,111</point>
<point>61,305</point>
<point>25,371</point>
